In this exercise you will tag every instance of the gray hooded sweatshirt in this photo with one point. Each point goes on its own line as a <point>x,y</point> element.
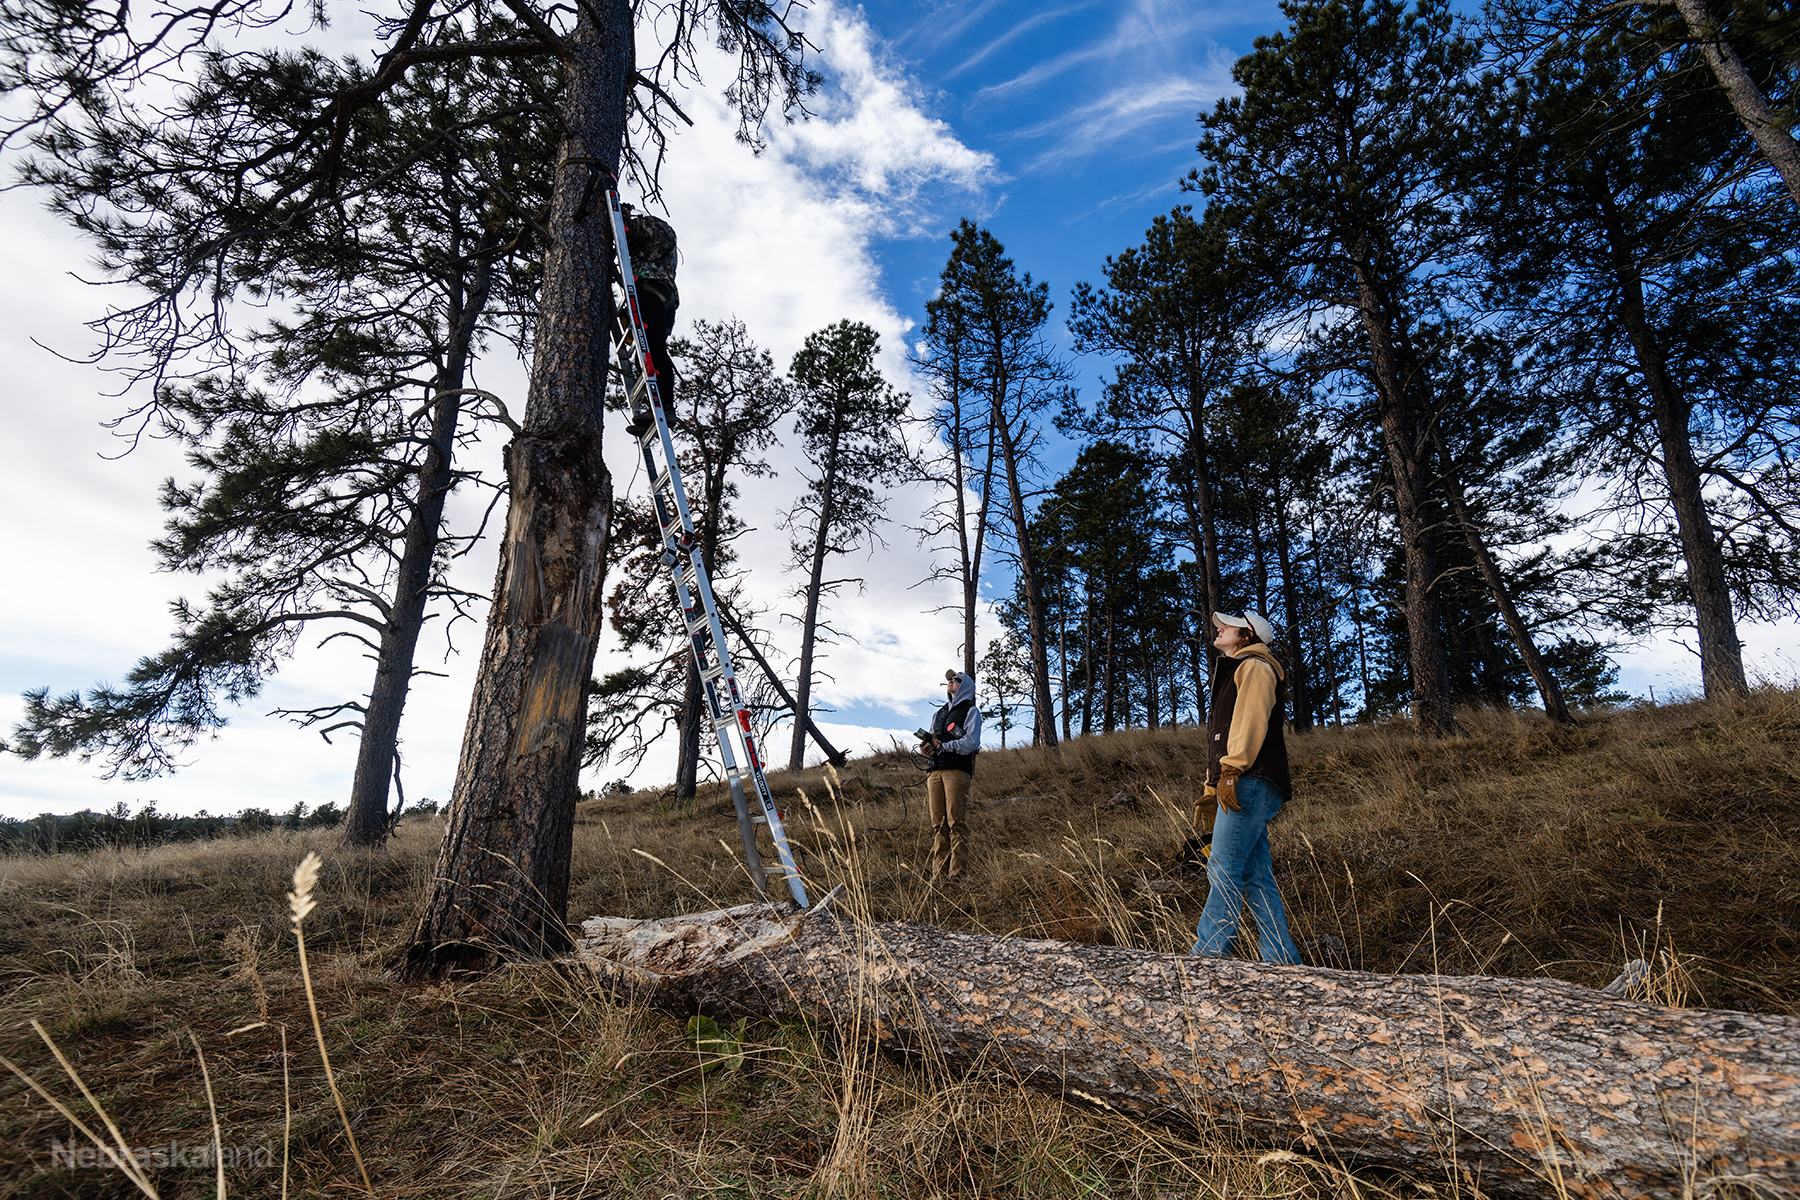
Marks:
<point>957,726</point>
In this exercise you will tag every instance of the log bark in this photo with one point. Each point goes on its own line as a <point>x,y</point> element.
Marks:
<point>1515,1088</point>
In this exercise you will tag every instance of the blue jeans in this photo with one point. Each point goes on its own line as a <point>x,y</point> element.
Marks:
<point>1240,869</point>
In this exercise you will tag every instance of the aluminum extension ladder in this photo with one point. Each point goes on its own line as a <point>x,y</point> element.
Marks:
<point>693,589</point>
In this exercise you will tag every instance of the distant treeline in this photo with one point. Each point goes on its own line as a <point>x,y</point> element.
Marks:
<point>49,833</point>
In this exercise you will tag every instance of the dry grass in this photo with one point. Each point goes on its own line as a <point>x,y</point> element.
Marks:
<point>1670,834</point>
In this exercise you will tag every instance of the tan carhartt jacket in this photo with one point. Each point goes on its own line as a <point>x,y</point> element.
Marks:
<point>1247,699</point>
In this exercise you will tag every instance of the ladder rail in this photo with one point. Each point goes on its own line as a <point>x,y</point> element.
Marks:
<point>675,524</point>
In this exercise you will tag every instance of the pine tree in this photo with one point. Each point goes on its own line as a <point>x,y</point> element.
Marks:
<point>998,318</point>
<point>1103,522</point>
<point>1332,163</point>
<point>1181,310</point>
<point>322,509</point>
<point>728,398</point>
<point>848,420</point>
<point>962,434</point>
<point>1622,231</point>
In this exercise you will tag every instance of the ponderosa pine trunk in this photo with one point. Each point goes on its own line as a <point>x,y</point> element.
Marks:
<point>1771,133</point>
<point>1199,458</point>
<point>501,882</point>
<point>972,553</point>
<point>1721,654</point>
<point>693,714</point>
<point>1511,1088</point>
<point>1402,440</point>
<point>1299,693</point>
<point>970,547</point>
<point>1548,689</point>
<point>809,621</point>
<point>1043,702</point>
<point>367,822</point>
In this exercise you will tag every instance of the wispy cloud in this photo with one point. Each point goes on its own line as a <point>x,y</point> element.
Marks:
<point>1117,121</point>
<point>1014,34</point>
<point>932,33</point>
<point>1130,200</point>
<point>1145,31</point>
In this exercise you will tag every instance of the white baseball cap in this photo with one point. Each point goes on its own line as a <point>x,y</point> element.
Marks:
<point>1254,622</point>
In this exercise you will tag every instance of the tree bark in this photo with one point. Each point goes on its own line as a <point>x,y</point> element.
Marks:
<point>1721,654</point>
<point>1043,703</point>
<point>501,881</point>
<point>1548,689</point>
<point>1299,692</point>
<point>1518,1088</point>
<point>809,622</point>
<point>969,549</point>
<point>1400,437</point>
<point>1200,459</point>
<point>693,708</point>
<point>1770,132</point>
<point>366,824</point>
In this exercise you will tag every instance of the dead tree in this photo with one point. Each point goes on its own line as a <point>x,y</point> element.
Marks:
<point>1517,1088</point>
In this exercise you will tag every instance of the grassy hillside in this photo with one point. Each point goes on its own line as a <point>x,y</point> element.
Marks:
<point>1667,833</point>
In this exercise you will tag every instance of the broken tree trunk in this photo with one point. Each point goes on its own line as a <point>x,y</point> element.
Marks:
<point>1520,1088</point>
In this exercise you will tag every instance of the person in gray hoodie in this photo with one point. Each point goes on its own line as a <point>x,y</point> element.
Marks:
<point>955,741</point>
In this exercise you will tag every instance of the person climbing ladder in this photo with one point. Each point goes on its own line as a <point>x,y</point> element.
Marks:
<point>651,242</point>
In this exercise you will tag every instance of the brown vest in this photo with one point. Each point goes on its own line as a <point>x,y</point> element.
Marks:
<point>1271,761</point>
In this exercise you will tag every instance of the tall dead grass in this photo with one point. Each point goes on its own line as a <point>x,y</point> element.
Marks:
<point>1664,834</point>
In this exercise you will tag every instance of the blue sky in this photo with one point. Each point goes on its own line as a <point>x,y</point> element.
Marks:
<point>1088,110</point>
<point>1064,128</point>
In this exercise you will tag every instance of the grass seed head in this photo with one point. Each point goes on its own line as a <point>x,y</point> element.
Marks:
<point>300,900</point>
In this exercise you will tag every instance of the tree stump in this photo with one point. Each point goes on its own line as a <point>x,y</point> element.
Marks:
<point>1518,1088</point>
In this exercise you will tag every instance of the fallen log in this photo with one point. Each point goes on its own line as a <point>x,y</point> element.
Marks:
<point>1514,1087</point>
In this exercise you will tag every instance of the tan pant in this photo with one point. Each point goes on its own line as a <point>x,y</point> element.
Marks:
<point>947,794</point>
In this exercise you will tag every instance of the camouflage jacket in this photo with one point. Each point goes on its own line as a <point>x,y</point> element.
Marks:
<point>651,241</point>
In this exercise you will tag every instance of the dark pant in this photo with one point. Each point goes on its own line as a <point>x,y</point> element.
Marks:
<point>657,305</point>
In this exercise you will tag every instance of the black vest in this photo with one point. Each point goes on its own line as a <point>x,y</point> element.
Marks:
<point>1271,761</point>
<point>947,726</point>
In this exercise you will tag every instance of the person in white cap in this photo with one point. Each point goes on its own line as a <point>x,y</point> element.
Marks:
<point>1247,771</point>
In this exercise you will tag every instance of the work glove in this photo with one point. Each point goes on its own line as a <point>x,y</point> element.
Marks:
<point>1228,790</point>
